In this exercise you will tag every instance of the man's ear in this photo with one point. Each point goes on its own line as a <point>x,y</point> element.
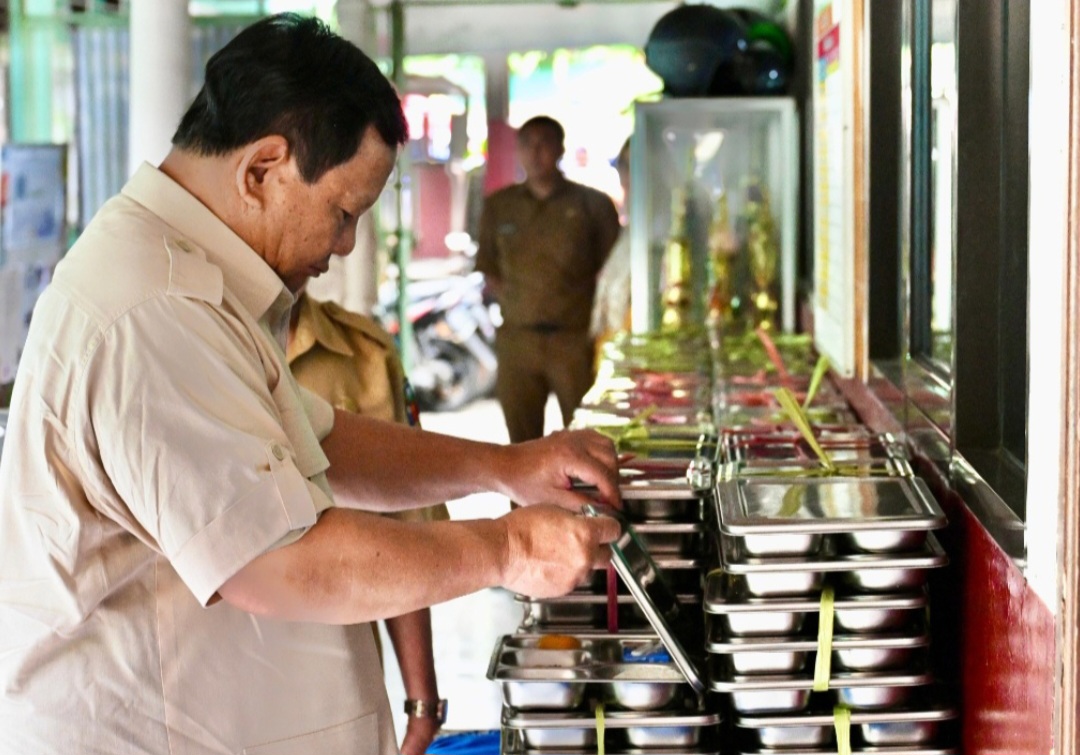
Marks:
<point>260,161</point>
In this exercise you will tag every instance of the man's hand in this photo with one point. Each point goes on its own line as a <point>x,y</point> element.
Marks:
<point>544,470</point>
<point>419,734</point>
<point>550,551</point>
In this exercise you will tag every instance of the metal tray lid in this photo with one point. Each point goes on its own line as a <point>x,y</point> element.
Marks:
<point>722,598</point>
<point>916,639</point>
<point>795,470</point>
<point>762,505</point>
<point>681,634</point>
<point>931,556</point>
<point>520,719</point>
<point>724,679</point>
<point>593,598</point>
<point>811,717</point>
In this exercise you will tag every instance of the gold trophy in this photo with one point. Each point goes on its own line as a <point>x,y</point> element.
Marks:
<point>723,246</point>
<point>763,255</point>
<point>676,297</point>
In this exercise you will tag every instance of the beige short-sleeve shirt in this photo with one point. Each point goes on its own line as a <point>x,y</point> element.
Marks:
<point>156,444</point>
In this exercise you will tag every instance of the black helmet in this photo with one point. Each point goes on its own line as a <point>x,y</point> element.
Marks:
<point>694,49</point>
<point>762,70</point>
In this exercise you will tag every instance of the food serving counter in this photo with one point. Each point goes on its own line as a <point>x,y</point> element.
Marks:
<point>768,594</point>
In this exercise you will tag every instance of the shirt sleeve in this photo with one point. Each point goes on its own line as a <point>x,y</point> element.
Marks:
<point>487,253</point>
<point>606,232</point>
<point>319,412</point>
<point>186,441</point>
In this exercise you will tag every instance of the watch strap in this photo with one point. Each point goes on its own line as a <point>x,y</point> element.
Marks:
<point>427,709</point>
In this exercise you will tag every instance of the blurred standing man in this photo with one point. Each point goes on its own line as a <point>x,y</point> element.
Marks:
<point>542,244</point>
<point>186,554</point>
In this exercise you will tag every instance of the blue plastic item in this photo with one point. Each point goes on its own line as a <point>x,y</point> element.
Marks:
<point>466,743</point>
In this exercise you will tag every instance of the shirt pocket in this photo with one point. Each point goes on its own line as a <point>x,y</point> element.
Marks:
<point>360,735</point>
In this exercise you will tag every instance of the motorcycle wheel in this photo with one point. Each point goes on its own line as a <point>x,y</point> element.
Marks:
<point>470,380</point>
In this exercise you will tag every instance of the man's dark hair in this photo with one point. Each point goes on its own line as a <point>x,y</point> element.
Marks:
<point>290,75</point>
<point>544,123</point>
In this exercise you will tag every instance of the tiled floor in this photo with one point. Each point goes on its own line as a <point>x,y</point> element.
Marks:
<point>466,630</point>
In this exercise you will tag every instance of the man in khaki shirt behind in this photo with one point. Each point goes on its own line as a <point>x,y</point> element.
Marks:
<point>541,246</point>
<point>186,561</point>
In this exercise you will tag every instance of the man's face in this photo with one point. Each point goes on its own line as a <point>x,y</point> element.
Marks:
<point>316,221</point>
<point>538,151</point>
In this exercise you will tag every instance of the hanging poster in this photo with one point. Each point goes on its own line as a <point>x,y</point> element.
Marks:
<point>33,228</point>
<point>839,209</point>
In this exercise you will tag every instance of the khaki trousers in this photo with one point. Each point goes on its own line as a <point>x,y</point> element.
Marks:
<point>534,364</point>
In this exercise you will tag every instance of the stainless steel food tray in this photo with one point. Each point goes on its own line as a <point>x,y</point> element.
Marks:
<point>670,539</point>
<point>774,693</point>
<point>662,507</point>
<point>794,470</point>
<point>679,626</point>
<point>590,609</point>
<point>769,655</point>
<point>914,727</point>
<point>768,505</point>
<point>865,572</point>
<point>771,416</point>
<point>652,729</point>
<point>827,437</point>
<point>741,614</point>
<point>602,669</point>
<point>783,449</point>
<point>684,574</point>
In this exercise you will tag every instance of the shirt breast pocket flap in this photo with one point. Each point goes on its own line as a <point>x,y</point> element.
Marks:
<point>359,735</point>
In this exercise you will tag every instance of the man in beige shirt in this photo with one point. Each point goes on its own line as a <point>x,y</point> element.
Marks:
<point>184,562</point>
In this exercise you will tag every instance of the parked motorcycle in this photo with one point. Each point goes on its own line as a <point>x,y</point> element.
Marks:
<point>453,328</point>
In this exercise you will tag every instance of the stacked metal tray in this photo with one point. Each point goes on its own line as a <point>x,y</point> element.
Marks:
<point>665,501</point>
<point>588,671</point>
<point>820,600</point>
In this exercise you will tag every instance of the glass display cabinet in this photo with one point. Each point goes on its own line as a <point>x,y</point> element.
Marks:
<point>712,221</point>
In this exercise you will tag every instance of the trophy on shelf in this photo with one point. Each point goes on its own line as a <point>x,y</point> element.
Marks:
<point>763,255</point>
<point>676,297</point>
<point>722,301</point>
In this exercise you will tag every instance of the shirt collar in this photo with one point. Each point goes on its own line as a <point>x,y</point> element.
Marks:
<point>245,273</point>
<point>314,326</point>
<point>560,184</point>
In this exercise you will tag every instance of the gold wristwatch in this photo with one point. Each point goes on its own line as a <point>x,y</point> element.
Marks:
<point>426,709</point>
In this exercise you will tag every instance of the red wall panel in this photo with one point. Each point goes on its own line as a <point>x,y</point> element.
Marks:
<point>994,640</point>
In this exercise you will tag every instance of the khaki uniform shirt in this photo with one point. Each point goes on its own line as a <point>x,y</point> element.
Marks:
<point>547,252</point>
<point>350,360</point>
<point>157,444</point>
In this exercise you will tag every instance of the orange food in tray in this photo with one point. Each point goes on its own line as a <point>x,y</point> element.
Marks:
<point>558,642</point>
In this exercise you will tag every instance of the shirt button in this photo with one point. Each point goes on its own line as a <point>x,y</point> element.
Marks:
<point>278,451</point>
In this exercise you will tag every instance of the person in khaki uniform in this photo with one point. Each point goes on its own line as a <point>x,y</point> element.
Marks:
<point>189,554</point>
<point>541,246</point>
<point>350,360</point>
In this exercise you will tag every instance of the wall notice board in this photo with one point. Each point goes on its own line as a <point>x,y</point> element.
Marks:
<point>33,236</point>
<point>840,245</point>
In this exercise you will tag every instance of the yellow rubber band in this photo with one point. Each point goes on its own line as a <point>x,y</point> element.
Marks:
<point>823,667</point>
<point>842,725</point>
<point>820,369</point>
<point>600,729</point>
<point>798,417</point>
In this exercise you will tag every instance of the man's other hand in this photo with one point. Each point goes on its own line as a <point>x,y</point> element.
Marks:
<point>550,551</point>
<point>546,470</point>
